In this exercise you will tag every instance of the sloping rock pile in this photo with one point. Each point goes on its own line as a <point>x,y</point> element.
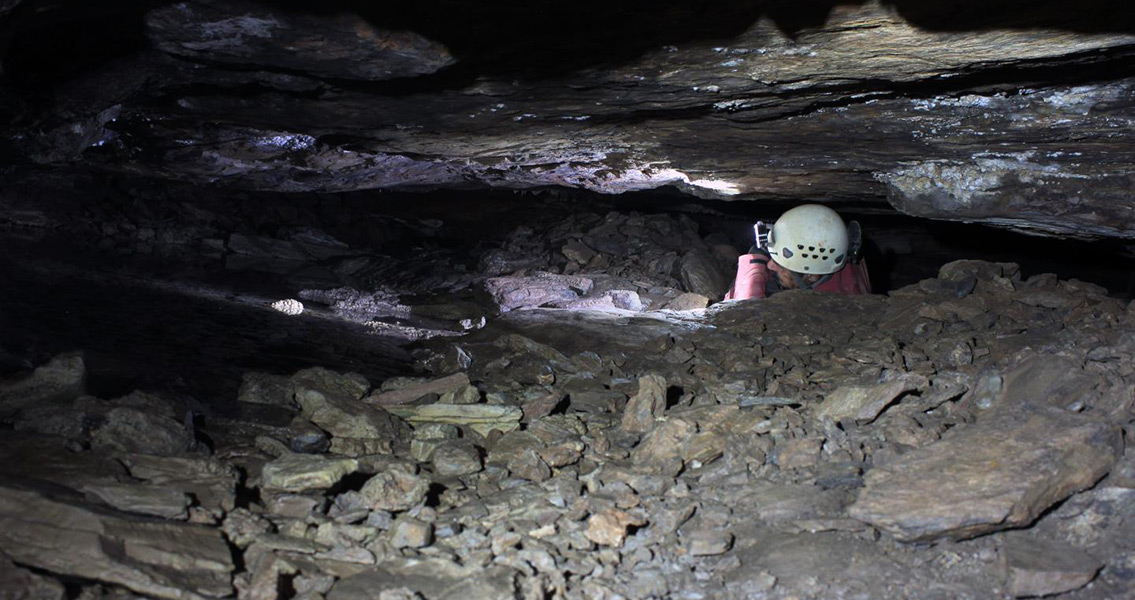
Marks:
<point>620,261</point>
<point>808,445</point>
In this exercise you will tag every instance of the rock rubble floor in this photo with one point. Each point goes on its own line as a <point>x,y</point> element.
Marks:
<point>581,421</point>
<point>958,438</point>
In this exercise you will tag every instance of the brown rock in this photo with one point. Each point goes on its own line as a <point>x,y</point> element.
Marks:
<point>865,403</point>
<point>1045,567</point>
<point>707,543</point>
<point>998,473</point>
<point>300,472</point>
<point>395,489</point>
<point>688,301</point>
<point>661,449</point>
<point>798,452</point>
<point>647,405</point>
<point>456,457</point>
<point>409,532</point>
<point>410,393</point>
<point>609,527</point>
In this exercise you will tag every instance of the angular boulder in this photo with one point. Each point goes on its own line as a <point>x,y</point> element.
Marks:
<point>998,473</point>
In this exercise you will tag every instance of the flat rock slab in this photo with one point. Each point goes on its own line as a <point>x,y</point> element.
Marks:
<point>158,559</point>
<point>1046,567</point>
<point>865,403</point>
<point>429,578</point>
<point>998,473</point>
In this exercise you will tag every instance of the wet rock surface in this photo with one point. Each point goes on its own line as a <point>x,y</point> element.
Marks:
<point>803,446</point>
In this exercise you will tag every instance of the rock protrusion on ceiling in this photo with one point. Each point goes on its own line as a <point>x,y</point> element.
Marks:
<point>1015,116</point>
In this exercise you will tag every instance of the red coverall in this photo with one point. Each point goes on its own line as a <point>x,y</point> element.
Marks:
<point>753,277</point>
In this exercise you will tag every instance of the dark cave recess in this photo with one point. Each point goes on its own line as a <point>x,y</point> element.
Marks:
<point>901,250</point>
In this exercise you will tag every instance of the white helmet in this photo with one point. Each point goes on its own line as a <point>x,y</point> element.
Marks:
<point>809,239</point>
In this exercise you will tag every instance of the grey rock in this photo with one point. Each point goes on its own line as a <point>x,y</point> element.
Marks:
<point>21,584</point>
<point>63,378</point>
<point>482,418</point>
<point>339,46</point>
<point>408,391</point>
<point>332,402</point>
<point>998,473</point>
<point>578,251</point>
<point>707,543</point>
<point>409,532</point>
<point>306,438</point>
<point>434,579</point>
<point>132,430</point>
<point>466,394</point>
<point>73,540</point>
<point>395,489</point>
<point>159,501</point>
<point>300,472</point>
<point>539,289</point>
<point>211,482</point>
<point>701,275</point>
<point>264,388</point>
<point>1037,567</point>
<point>455,458</point>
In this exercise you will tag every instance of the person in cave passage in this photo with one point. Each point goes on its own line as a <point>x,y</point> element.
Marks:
<point>809,248</point>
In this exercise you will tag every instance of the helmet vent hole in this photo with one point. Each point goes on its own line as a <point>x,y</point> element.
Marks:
<point>787,252</point>
<point>799,247</point>
<point>806,268</point>
<point>825,258</point>
<point>839,258</point>
<point>832,250</point>
<point>812,248</point>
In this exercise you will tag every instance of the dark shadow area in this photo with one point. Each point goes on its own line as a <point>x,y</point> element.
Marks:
<point>56,297</point>
<point>50,40</point>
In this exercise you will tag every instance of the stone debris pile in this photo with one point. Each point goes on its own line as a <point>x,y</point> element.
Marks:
<point>619,261</point>
<point>963,437</point>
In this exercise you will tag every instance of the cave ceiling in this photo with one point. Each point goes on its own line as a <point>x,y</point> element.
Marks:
<point>1011,113</point>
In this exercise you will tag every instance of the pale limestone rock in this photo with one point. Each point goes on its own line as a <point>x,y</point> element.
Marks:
<point>289,307</point>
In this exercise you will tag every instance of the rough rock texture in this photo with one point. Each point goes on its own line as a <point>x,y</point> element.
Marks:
<point>566,452</point>
<point>74,540</point>
<point>1011,115</point>
<point>999,473</point>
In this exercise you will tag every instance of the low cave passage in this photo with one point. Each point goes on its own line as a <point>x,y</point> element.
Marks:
<point>172,292</point>
<point>177,289</point>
